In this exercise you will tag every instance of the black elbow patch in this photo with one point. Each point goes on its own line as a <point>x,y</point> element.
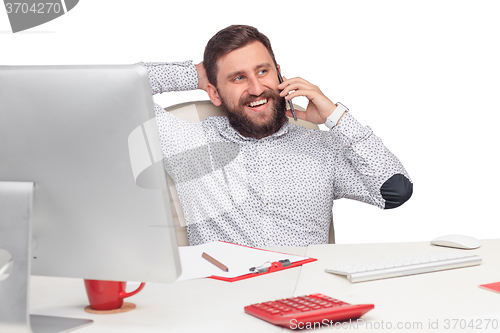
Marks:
<point>396,191</point>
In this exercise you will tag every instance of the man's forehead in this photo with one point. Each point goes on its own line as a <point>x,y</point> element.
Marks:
<point>248,57</point>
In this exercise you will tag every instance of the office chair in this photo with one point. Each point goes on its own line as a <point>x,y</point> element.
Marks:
<point>198,111</point>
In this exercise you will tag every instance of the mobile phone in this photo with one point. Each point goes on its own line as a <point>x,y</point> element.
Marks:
<point>280,78</point>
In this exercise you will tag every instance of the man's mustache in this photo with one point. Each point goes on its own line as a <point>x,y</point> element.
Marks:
<point>266,94</point>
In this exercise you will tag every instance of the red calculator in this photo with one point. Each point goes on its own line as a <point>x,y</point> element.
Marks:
<point>304,311</point>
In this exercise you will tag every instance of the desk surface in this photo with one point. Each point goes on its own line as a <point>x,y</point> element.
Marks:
<point>435,301</point>
<point>201,305</point>
<point>447,299</point>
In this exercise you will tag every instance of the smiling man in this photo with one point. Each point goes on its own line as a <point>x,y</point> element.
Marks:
<point>245,84</point>
<point>278,187</point>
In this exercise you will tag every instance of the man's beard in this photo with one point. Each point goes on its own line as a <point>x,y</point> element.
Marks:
<point>241,122</point>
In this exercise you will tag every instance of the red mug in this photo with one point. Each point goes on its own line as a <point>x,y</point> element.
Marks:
<point>108,295</point>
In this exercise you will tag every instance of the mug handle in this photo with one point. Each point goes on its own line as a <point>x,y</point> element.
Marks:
<point>124,294</point>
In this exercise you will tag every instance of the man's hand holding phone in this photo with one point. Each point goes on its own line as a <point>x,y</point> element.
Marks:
<point>319,107</point>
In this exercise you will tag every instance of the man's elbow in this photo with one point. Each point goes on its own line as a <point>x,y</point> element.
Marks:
<point>396,191</point>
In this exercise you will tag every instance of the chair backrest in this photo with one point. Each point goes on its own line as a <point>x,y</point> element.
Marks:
<point>195,112</point>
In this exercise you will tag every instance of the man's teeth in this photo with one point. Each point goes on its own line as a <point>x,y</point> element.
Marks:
<point>257,103</point>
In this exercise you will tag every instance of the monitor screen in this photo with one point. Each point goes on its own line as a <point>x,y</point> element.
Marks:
<point>84,135</point>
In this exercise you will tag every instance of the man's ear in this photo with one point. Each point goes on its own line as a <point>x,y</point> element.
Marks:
<point>213,94</point>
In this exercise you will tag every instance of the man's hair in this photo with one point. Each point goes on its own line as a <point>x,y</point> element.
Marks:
<point>227,40</point>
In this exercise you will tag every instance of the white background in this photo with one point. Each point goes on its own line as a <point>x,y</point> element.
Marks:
<point>424,75</point>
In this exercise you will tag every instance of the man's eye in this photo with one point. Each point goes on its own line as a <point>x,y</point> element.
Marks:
<point>238,78</point>
<point>263,71</point>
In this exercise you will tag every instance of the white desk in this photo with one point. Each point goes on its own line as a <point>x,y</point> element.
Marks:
<point>208,305</point>
<point>203,305</point>
<point>450,297</point>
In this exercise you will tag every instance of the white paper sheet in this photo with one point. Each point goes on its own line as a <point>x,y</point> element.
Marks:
<point>237,258</point>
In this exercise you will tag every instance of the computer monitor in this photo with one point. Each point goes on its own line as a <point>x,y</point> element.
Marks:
<point>84,135</point>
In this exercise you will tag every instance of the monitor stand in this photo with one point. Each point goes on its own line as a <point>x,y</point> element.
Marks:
<point>16,200</point>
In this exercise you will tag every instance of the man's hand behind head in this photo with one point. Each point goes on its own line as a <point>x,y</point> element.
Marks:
<point>202,76</point>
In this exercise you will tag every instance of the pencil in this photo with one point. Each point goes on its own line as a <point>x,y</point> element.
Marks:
<point>215,262</point>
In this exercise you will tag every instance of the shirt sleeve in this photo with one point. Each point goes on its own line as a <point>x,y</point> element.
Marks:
<point>173,76</point>
<point>365,169</point>
<point>167,77</point>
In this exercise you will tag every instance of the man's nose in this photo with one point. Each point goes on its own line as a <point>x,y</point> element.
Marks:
<point>255,87</point>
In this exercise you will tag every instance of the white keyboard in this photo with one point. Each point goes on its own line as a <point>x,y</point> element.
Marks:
<point>406,266</point>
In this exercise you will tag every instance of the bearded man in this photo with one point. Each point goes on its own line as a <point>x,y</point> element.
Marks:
<point>279,182</point>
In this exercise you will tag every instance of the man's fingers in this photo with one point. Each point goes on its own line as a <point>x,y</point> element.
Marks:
<point>297,84</point>
<point>319,107</point>
<point>294,82</point>
<point>309,94</point>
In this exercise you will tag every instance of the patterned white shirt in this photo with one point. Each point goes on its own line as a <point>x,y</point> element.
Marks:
<point>276,191</point>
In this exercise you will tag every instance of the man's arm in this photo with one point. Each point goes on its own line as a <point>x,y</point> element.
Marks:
<point>168,77</point>
<point>174,76</point>
<point>365,169</point>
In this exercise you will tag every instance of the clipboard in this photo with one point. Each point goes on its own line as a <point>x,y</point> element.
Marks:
<point>238,258</point>
<point>491,286</point>
<point>275,267</point>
